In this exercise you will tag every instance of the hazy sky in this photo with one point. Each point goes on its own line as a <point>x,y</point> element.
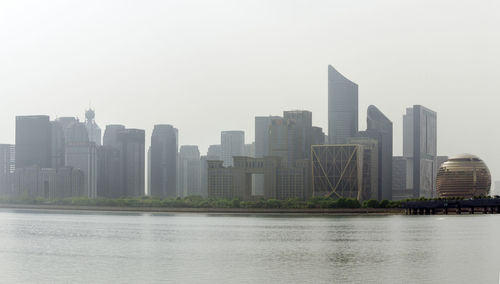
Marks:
<point>206,66</point>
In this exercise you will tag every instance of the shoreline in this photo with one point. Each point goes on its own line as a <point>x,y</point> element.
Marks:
<point>312,211</point>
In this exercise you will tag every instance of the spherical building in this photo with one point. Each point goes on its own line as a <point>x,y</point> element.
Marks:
<point>463,176</point>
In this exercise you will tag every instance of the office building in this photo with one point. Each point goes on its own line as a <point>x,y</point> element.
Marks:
<point>132,143</point>
<point>318,136</point>
<point>342,107</point>
<point>7,168</point>
<point>379,127</point>
<point>419,149</point>
<point>81,154</point>
<point>262,124</point>
<point>303,133</point>
<point>33,141</point>
<point>48,182</point>
<point>163,163</point>
<point>111,173</point>
<point>345,171</point>
<point>279,182</point>
<point>189,171</point>
<point>94,131</point>
<point>249,150</point>
<point>232,144</point>
<point>214,152</point>
<point>400,188</point>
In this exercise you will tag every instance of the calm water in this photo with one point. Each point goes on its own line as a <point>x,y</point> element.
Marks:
<point>62,247</point>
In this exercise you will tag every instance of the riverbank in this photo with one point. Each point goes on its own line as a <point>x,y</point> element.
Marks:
<point>317,211</point>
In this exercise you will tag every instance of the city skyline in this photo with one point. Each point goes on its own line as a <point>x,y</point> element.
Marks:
<point>155,67</point>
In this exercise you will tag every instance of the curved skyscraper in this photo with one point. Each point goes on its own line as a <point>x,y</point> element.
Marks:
<point>342,107</point>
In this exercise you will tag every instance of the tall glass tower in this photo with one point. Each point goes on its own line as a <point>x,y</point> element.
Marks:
<point>342,107</point>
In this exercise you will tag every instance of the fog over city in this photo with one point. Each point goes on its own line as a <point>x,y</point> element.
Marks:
<point>209,66</point>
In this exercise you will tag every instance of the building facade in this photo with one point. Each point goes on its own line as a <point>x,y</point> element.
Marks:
<point>132,143</point>
<point>279,182</point>
<point>345,171</point>
<point>163,163</point>
<point>232,144</point>
<point>33,141</point>
<point>342,107</point>
<point>379,127</point>
<point>420,150</point>
<point>189,171</point>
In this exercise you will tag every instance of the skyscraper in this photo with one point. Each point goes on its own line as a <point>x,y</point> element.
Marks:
<point>92,128</point>
<point>58,145</point>
<point>282,140</point>
<point>379,127</point>
<point>111,184</point>
<point>214,152</point>
<point>7,168</point>
<point>133,162</point>
<point>342,107</point>
<point>163,163</point>
<point>33,141</point>
<point>420,150</point>
<point>318,136</point>
<point>189,171</point>
<point>262,124</point>
<point>303,133</point>
<point>81,154</point>
<point>232,144</point>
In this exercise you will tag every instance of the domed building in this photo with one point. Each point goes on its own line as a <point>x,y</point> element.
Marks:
<point>465,175</point>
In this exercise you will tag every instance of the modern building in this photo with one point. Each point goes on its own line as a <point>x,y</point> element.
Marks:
<point>58,145</point>
<point>110,164</point>
<point>163,162</point>
<point>214,152</point>
<point>249,150</point>
<point>33,141</point>
<point>345,171</point>
<point>303,134</point>
<point>204,176</point>
<point>232,144</point>
<point>189,171</point>
<point>262,124</point>
<point>48,182</point>
<point>379,127</point>
<point>282,140</point>
<point>7,168</point>
<point>318,136</point>
<point>94,131</point>
<point>420,150</point>
<point>132,143</point>
<point>465,176</point>
<point>342,107</point>
<point>400,188</point>
<point>236,181</point>
<point>81,154</point>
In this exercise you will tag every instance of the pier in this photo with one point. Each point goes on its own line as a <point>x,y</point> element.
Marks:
<point>432,207</point>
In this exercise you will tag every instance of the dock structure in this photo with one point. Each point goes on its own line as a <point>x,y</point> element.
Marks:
<point>470,206</point>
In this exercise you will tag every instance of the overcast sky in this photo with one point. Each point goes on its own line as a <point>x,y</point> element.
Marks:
<point>206,66</point>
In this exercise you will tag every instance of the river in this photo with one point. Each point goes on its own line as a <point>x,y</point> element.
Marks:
<point>98,247</point>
